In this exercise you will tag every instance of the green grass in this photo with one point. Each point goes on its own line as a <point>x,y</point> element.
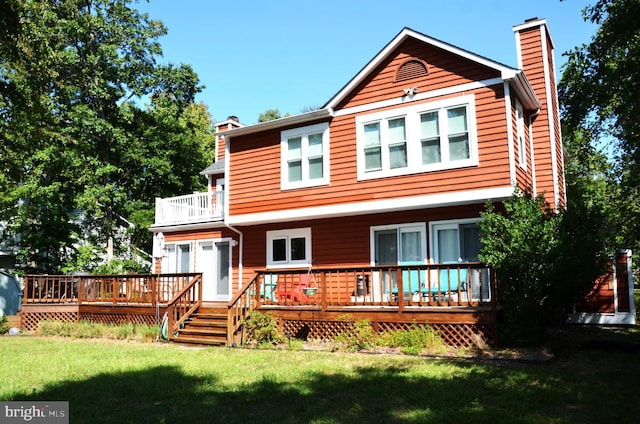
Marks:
<point>593,380</point>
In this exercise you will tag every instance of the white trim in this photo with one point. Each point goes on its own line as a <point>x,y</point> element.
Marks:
<point>375,206</point>
<point>434,226</point>
<point>531,155</point>
<point>421,226</point>
<point>288,234</point>
<point>531,24</point>
<point>401,100</point>
<point>626,318</point>
<point>505,71</point>
<point>510,147</point>
<point>303,133</point>
<point>411,116</point>
<point>198,267</point>
<point>521,135</point>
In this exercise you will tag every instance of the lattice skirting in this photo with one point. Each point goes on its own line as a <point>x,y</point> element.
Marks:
<point>452,334</point>
<point>30,320</point>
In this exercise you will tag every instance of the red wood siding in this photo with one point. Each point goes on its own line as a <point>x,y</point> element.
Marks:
<point>205,234</point>
<point>338,242</point>
<point>534,66</point>
<point>254,179</point>
<point>444,69</point>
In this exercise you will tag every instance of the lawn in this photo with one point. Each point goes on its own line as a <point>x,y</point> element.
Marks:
<point>593,379</point>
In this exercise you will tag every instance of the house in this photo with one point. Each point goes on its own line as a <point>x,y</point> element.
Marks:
<point>368,206</point>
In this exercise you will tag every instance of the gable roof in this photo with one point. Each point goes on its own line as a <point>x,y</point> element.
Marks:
<point>515,77</point>
<point>512,75</point>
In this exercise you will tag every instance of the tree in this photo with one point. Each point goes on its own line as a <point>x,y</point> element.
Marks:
<point>270,115</point>
<point>81,154</point>
<point>543,260</point>
<point>598,94</point>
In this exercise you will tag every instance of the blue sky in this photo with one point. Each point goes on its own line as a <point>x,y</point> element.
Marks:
<point>291,54</point>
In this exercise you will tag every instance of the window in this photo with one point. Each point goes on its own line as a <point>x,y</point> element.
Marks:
<point>455,241</point>
<point>178,258</point>
<point>399,244</point>
<point>305,156</point>
<point>425,137</point>
<point>520,134</point>
<point>287,248</point>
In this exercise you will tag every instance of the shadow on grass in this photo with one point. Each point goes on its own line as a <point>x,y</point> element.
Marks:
<point>464,393</point>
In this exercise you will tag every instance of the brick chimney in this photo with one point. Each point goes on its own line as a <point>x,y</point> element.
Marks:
<point>535,52</point>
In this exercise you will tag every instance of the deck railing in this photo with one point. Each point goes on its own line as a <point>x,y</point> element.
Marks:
<point>114,289</point>
<point>189,208</point>
<point>435,285</point>
<point>239,309</point>
<point>184,303</point>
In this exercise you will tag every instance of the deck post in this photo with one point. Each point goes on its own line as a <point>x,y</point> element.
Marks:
<point>323,282</point>
<point>400,290</point>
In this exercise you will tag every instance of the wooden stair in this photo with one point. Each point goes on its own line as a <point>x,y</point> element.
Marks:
<point>207,326</point>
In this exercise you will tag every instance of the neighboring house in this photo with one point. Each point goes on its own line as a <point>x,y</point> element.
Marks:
<point>10,294</point>
<point>393,171</point>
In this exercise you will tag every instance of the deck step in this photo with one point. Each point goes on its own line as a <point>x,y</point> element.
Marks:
<point>207,326</point>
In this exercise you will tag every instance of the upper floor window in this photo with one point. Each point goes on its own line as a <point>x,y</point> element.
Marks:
<point>520,134</point>
<point>286,248</point>
<point>305,156</point>
<point>425,137</point>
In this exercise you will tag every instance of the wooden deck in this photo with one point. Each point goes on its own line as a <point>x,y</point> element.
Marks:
<point>456,299</point>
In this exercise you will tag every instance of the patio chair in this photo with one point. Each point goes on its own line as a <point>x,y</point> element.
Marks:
<point>449,281</point>
<point>269,287</point>
<point>412,283</point>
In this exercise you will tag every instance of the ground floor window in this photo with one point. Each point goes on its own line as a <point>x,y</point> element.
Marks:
<point>178,258</point>
<point>455,241</point>
<point>399,244</point>
<point>289,247</point>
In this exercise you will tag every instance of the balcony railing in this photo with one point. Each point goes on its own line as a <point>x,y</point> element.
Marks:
<point>190,208</point>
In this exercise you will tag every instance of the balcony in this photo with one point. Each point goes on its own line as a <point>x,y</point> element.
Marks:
<point>189,209</point>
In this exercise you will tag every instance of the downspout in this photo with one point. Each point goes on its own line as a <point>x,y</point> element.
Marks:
<point>226,211</point>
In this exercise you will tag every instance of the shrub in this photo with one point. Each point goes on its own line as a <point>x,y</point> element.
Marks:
<point>414,339</point>
<point>4,324</point>
<point>263,329</point>
<point>362,337</point>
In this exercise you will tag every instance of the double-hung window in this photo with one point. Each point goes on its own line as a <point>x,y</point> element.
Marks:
<point>421,138</point>
<point>289,248</point>
<point>385,144</point>
<point>305,156</point>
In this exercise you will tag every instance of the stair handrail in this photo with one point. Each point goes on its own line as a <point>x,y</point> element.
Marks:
<point>239,308</point>
<point>185,297</point>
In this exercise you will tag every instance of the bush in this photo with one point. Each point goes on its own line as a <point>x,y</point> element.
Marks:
<point>414,340</point>
<point>4,324</point>
<point>363,336</point>
<point>263,329</point>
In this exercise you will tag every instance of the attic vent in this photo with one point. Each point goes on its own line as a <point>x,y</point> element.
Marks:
<point>411,69</point>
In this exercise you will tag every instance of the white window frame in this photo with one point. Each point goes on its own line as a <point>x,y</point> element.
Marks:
<point>436,226</point>
<point>304,133</point>
<point>520,134</point>
<point>287,235</point>
<point>413,138</point>
<point>400,228</point>
<point>168,261</point>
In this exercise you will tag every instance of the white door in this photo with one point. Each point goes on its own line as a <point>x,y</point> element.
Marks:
<point>213,261</point>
